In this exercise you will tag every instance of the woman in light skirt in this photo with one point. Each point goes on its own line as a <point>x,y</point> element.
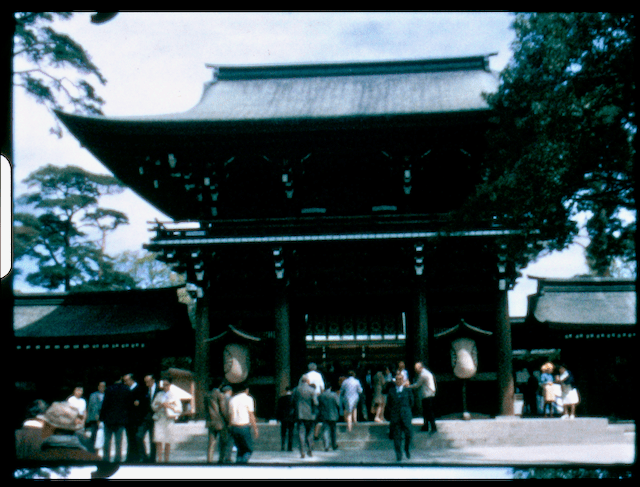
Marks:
<point>570,397</point>
<point>167,408</point>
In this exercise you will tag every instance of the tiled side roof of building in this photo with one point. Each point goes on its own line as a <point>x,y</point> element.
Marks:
<point>98,314</point>
<point>585,301</point>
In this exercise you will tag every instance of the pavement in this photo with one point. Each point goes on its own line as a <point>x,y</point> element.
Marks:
<point>463,463</point>
<point>459,462</point>
<point>429,460</point>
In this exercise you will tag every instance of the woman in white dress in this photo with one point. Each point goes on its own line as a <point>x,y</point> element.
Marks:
<point>570,397</point>
<point>167,408</point>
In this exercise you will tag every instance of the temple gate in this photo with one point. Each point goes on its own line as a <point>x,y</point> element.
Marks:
<point>314,210</point>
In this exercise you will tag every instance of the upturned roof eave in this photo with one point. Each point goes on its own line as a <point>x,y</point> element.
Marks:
<point>79,123</point>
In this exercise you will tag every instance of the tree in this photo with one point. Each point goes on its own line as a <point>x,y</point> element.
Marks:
<point>562,137</point>
<point>42,58</point>
<point>147,271</point>
<point>65,203</point>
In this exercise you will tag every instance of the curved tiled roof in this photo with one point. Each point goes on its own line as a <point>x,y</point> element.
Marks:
<point>585,302</point>
<point>325,91</point>
<point>98,315</point>
<point>359,93</point>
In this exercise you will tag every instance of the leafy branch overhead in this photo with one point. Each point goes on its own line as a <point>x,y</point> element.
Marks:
<point>43,61</point>
<point>562,141</point>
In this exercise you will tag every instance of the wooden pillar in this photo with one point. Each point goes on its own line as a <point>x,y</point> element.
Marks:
<point>282,355</point>
<point>282,349</point>
<point>419,337</point>
<point>504,349</point>
<point>202,358</point>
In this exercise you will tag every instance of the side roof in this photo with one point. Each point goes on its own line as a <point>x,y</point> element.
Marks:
<point>99,314</point>
<point>585,302</point>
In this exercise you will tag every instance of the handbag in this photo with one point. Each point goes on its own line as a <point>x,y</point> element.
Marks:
<point>549,393</point>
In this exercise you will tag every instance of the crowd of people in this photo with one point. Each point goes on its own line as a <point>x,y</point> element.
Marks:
<point>314,408</point>
<point>76,430</point>
<point>72,429</point>
<point>549,392</point>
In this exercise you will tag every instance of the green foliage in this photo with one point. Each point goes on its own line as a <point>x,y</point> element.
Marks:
<point>562,136</point>
<point>147,271</point>
<point>65,205</point>
<point>44,60</point>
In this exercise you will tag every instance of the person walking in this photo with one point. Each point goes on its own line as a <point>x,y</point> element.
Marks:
<point>329,414</point>
<point>570,397</point>
<point>350,397</point>
<point>114,414</point>
<point>529,395</point>
<point>167,408</point>
<point>402,370</point>
<point>137,412</point>
<point>242,420</point>
<point>147,424</point>
<point>548,390</point>
<point>426,387</point>
<point>306,403</point>
<point>400,404</point>
<point>286,415</point>
<point>379,398</point>
<point>217,421</point>
<point>316,380</point>
<point>93,413</point>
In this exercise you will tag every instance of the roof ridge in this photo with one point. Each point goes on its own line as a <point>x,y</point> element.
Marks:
<point>240,72</point>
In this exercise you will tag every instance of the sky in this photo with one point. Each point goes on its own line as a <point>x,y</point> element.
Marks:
<point>155,63</point>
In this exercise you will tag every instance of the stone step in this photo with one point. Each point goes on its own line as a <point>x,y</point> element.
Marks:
<point>451,434</point>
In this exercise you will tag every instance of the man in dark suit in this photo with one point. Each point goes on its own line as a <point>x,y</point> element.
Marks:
<point>306,401</point>
<point>137,411</point>
<point>147,420</point>
<point>115,416</point>
<point>287,418</point>
<point>329,412</point>
<point>400,404</point>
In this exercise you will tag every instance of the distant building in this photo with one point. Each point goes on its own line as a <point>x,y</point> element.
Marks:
<point>65,339</point>
<point>590,325</point>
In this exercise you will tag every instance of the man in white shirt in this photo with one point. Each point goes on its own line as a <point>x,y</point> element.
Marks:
<point>317,382</point>
<point>315,378</point>
<point>426,386</point>
<point>242,422</point>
